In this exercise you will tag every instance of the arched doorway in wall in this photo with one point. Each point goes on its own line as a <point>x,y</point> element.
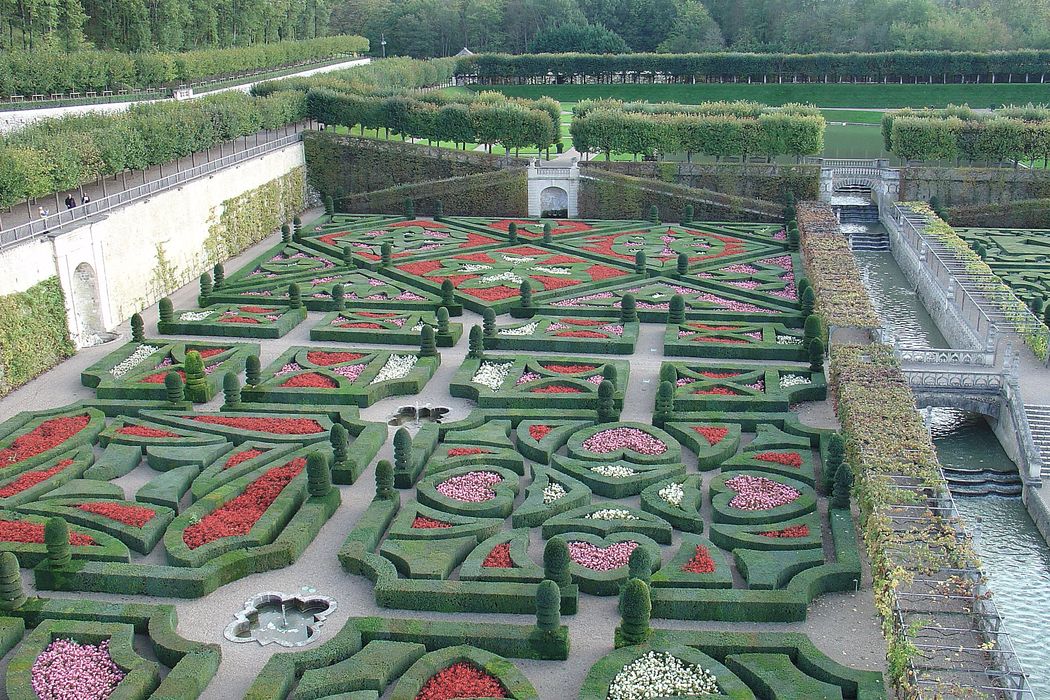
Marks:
<point>86,305</point>
<point>554,202</point>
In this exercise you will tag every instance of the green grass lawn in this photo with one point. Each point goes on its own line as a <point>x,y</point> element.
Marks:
<point>860,96</point>
<point>852,116</point>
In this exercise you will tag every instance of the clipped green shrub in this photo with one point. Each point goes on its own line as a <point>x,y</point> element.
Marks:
<point>56,540</point>
<point>385,480</point>
<point>489,322</point>
<point>166,310</point>
<point>138,328</point>
<point>628,309</point>
<point>295,299</point>
<point>318,475</point>
<point>636,608</point>
<point>548,605</point>
<point>173,388</point>
<point>427,343</point>
<point>253,370</point>
<point>556,562</point>
<point>476,343</point>
<point>676,311</point>
<point>11,593</point>
<point>231,388</point>
<point>836,455</point>
<point>526,294</point>
<point>196,379</point>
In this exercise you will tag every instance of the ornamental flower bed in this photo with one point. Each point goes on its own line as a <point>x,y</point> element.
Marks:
<point>33,533</point>
<point>611,514</point>
<point>276,426</point>
<point>461,680</point>
<point>68,670</point>
<point>663,243</point>
<point>492,374</point>
<point>672,494</point>
<point>408,240</point>
<point>661,675</point>
<point>499,557</point>
<point>421,522</point>
<point>236,517</point>
<point>465,451</point>
<point>786,459</point>
<point>712,434</point>
<point>473,487</point>
<point>549,332</point>
<point>759,493</point>
<point>145,431</point>
<point>701,562</point>
<point>597,558</point>
<point>537,432</point>
<point>242,456</point>
<point>394,327</point>
<point>133,516</point>
<point>32,478</point>
<point>615,439</point>
<point>310,380</point>
<point>48,435</point>
<point>745,340</point>
<point>553,492</point>
<point>613,471</point>
<point>789,532</point>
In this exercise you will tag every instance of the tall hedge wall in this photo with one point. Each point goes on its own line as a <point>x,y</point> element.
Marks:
<point>759,181</point>
<point>340,166</point>
<point>622,197</point>
<point>34,334</point>
<point>486,194</point>
<point>959,187</point>
<point>248,218</point>
<point>1025,213</point>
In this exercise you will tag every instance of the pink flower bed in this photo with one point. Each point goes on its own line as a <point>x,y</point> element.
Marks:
<point>66,670</point>
<point>473,487</point>
<point>760,493</point>
<point>606,441</point>
<point>597,558</point>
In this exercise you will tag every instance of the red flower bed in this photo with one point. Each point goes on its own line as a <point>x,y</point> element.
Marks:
<point>239,515</point>
<point>492,293</point>
<point>30,479</point>
<point>719,375</point>
<point>701,563</point>
<point>422,522</point>
<point>256,310</point>
<point>324,359</point>
<point>538,432</point>
<point>717,391</point>
<point>712,434</point>
<point>135,516</point>
<point>789,532</point>
<point>529,250</point>
<point>205,353</point>
<point>420,268</point>
<point>49,434</point>
<point>461,680</point>
<point>563,260</point>
<point>476,257</point>
<point>419,223</point>
<point>601,272</point>
<point>557,389</point>
<point>277,426</point>
<point>310,380</point>
<point>499,557</point>
<point>551,283</point>
<point>569,369</point>
<point>706,327</point>
<point>463,451</point>
<point>158,377</point>
<point>376,314</point>
<point>238,319</point>
<point>584,321</point>
<point>242,456</point>
<point>712,339</point>
<point>145,431</point>
<point>580,334</point>
<point>787,459</point>
<point>33,533</point>
<point>362,324</point>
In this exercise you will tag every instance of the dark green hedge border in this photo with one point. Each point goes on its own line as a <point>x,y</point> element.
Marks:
<point>34,333</point>
<point>287,320</point>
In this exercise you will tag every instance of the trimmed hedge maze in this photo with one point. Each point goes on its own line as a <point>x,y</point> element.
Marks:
<point>1021,257</point>
<point>198,464</point>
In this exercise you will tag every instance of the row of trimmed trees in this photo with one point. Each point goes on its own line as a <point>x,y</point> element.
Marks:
<point>960,134</point>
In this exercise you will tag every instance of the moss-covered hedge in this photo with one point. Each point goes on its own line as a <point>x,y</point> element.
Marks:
<point>34,333</point>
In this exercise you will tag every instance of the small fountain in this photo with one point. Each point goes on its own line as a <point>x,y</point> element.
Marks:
<point>287,620</point>
<point>417,414</point>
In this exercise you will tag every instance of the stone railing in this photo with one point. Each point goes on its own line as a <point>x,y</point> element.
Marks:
<point>954,381</point>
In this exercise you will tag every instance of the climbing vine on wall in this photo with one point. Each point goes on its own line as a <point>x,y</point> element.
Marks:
<point>250,217</point>
<point>34,333</point>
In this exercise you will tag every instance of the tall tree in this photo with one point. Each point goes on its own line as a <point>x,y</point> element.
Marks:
<point>693,31</point>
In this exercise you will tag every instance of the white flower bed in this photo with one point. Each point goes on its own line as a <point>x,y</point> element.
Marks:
<point>673,494</point>
<point>661,675</point>
<point>527,329</point>
<point>548,270</point>
<point>194,315</point>
<point>613,471</point>
<point>553,492</point>
<point>133,360</point>
<point>502,277</point>
<point>396,367</point>
<point>788,380</point>
<point>788,340</point>
<point>492,374</point>
<point>475,267</point>
<point>612,514</point>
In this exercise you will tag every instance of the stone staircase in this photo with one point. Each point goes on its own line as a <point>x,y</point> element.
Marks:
<point>983,482</point>
<point>1039,422</point>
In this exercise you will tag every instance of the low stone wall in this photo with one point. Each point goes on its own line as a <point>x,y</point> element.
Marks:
<point>1037,506</point>
<point>960,187</point>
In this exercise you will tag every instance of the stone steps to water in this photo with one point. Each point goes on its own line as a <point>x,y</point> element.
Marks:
<point>1039,423</point>
<point>983,482</point>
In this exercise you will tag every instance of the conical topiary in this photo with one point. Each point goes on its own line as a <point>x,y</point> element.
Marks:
<point>802,285</point>
<point>295,299</point>
<point>219,273</point>
<point>297,229</point>
<point>286,233</point>
<point>427,345</point>
<point>609,372</point>
<point>138,328</point>
<point>664,404</point>
<point>196,378</point>
<point>475,343</point>
<point>384,479</point>
<point>640,564</point>
<point>231,388</point>
<point>836,455</point>
<point>252,370</point>
<point>386,254</point>
<point>512,232</point>
<point>607,412</point>
<point>443,330</point>
<point>669,373</point>
<point>340,440</point>
<point>682,264</point>
<point>654,214</point>
<point>809,302</point>
<point>526,294</point>
<point>547,232</point>
<point>689,213</point>
<point>439,210</point>
<point>448,293</point>
<point>338,297</point>
<point>812,330</point>
<point>676,311</point>
<point>409,208</point>
<point>56,540</point>
<point>174,391</point>
<point>816,355</point>
<point>639,262</point>
<point>556,562</point>
<point>548,606</point>
<point>348,256</point>
<point>329,205</point>
<point>843,484</point>
<point>636,609</point>
<point>318,475</point>
<point>488,317</point>
<point>206,290</point>
<point>628,310</point>
<point>12,594</point>
<point>402,449</point>
<point>793,238</point>
<point>165,310</point>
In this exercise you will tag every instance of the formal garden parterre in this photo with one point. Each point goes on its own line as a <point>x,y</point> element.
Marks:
<point>540,498</point>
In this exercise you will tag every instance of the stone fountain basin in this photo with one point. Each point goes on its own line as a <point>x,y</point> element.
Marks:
<point>289,620</point>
